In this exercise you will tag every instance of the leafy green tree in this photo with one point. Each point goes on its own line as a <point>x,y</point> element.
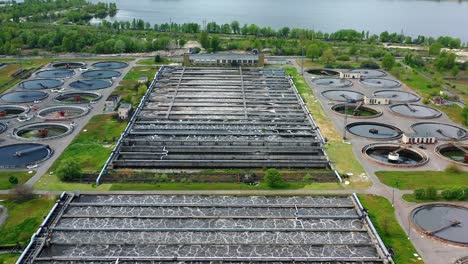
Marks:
<point>388,61</point>
<point>419,194</point>
<point>313,51</point>
<point>13,180</point>
<point>235,27</point>
<point>454,71</point>
<point>204,41</point>
<point>328,57</point>
<point>431,193</point>
<point>119,46</point>
<point>69,170</point>
<point>273,178</point>
<point>435,49</point>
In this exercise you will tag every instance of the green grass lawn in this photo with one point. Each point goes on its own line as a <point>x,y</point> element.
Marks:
<point>410,180</point>
<point>151,62</point>
<point>91,148</point>
<point>453,112</point>
<point>23,177</point>
<point>24,219</point>
<point>382,215</point>
<point>9,258</point>
<point>128,89</point>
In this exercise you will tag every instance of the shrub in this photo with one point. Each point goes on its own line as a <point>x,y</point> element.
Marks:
<point>273,178</point>
<point>453,194</point>
<point>453,168</point>
<point>308,178</point>
<point>419,194</point>
<point>343,58</point>
<point>163,177</point>
<point>13,180</point>
<point>69,170</point>
<point>21,193</point>
<point>370,65</point>
<point>431,193</point>
<point>157,58</point>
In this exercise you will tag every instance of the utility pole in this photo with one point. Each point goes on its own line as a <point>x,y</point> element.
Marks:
<point>345,119</point>
<point>302,64</point>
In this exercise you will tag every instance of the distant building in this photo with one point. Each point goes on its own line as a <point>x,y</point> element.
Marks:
<point>418,139</point>
<point>111,103</point>
<point>124,111</point>
<point>350,75</point>
<point>218,59</point>
<point>376,101</point>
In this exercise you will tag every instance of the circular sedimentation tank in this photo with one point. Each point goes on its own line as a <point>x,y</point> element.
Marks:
<point>67,65</point>
<point>372,130</point>
<point>100,74</point>
<point>395,155</point>
<point>323,72</point>
<point>415,111</point>
<point>41,84</point>
<point>63,112</point>
<point>440,130</point>
<point>22,155</point>
<point>333,82</point>
<point>398,96</point>
<point>463,260</point>
<point>356,111</point>
<point>110,65</point>
<point>78,97</point>
<point>369,73</point>
<point>380,83</point>
<point>92,84</point>
<point>3,127</point>
<point>343,95</point>
<point>56,74</point>
<point>42,131</point>
<point>444,222</point>
<point>12,111</point>
<point>457,153</point>
<point>24,97</point>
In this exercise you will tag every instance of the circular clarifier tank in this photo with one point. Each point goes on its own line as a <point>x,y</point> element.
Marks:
<point>110,65</point>
<point>397,96</point>
<point>343,95</point>
<point>440,130</point>
<point>457,153</point>
<point>415,111</point>
<point>395,155</point>
<point>78,97</point>
<point>445,222</point>
<point>373,130</point>
<point>92,84</point>
<point>12,111</point>
<point>24,97</point>
<point>100,74</point>
<point>22,155</point>
<point>323,72</point>
<point>67,65</point>
<point>42,131</point>
<point>356,110</point>
<point>3,127</point>
<point>369,73</point>
<point>63,112</point>
<point>56,74</point>
<point>380,83</point>
<point>41,84</point>
<point>333,82</point>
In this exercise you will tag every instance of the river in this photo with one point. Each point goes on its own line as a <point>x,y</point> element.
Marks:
<point>412,17</point>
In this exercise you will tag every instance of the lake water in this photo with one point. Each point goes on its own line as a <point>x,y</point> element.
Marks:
<point>413,17</point>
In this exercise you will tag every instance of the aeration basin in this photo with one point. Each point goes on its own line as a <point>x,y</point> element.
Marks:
<point>110,65</point>
<point>333,82</point>
<point>41,84</point>
<point>100,74</point>
<point>42,131</point>
<point>56,74</point>
<point>323,72</point>
<point>415,111</point>
<point>369,73</point>
<point>12,111</point>
<point>444,222</point>
<point>395,155</point>
<point>373,130</point>
<point>67,65</point>
<point>24,97</point>
<point>397,96</point>
<point>92,84</point>
<point>457,153</point>
<point>343,95</point>
<point>56,113</point>
<point>380,83</point>
<point>440,130</point>
<point>78,98</point>
<point>3,127</point>
<point>22,155</point>
<point>356,110</point>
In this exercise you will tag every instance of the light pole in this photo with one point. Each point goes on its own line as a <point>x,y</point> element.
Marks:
<point>302,64</point>
<point>345,119</point>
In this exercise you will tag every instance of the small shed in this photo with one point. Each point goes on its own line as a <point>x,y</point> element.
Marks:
<point>112,102</point>
<point>124,111</point>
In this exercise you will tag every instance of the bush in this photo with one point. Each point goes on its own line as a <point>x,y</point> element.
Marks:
<point>158,59</point>
<point>273,178</point>
<point>453,168</point>
<point>453,194</point>
<point>343,58</point>
<point>370,65</point>
<point>308,178</point>
<point>419,194</point>
<point>431,193</point>
<point>13,180</point>
<point>22,193</point>
<point>69,170</point>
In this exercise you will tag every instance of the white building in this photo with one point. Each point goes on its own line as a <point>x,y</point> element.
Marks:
<point>376,101</point>
<point>418,139</point>
<point>350,75</point>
